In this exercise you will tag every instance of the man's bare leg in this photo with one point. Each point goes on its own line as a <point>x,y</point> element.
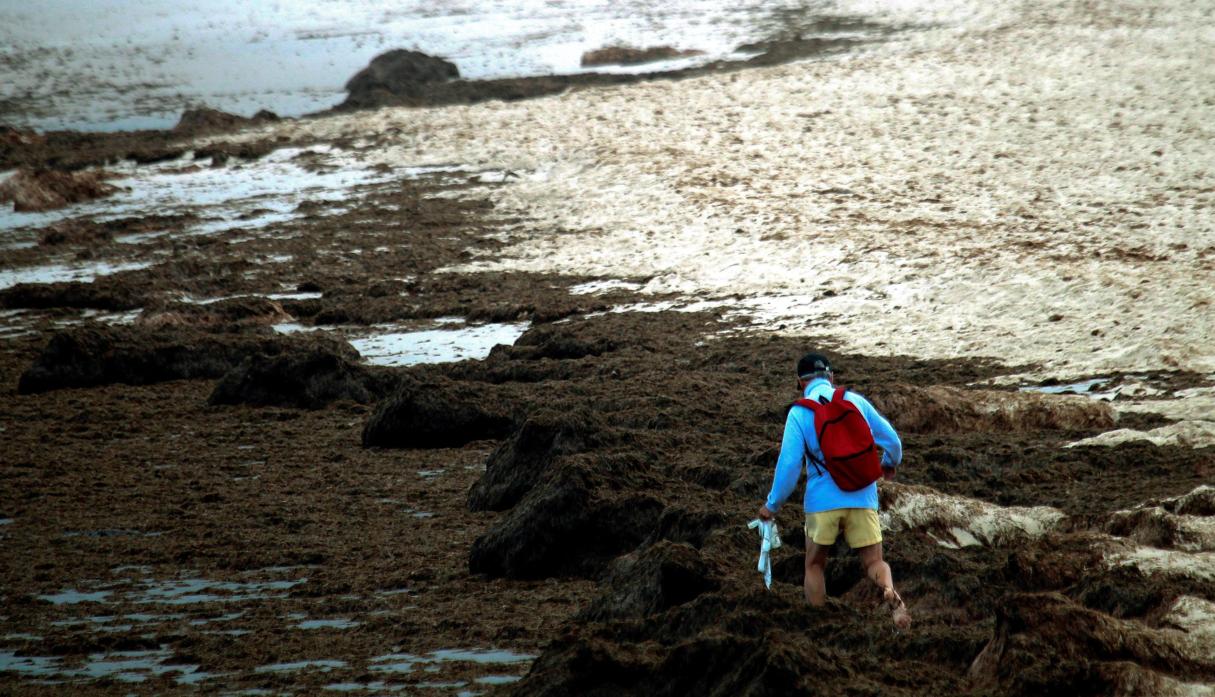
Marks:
<point>816,581</point>
<point>878,571</point>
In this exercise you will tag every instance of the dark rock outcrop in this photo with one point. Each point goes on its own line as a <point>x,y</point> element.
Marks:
<point>69,232</point>
<point>400,73</point>
<point>206,120</point>
<point>31,190</point>
<point>438,413</point>
<point>756,644</point>
<point>310,378</point>
<point>96,296</point>
<point>221,152</point>
<point>93,355</point>
<point>519,463</point>
<point>652,580</point>
<point>229,313</point>
<point>564,526</point>
<point>686,526</point>
<point>558,343</point>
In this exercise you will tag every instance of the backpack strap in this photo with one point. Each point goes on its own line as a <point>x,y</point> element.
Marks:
<point>807,456</point>
<point>809,404</point>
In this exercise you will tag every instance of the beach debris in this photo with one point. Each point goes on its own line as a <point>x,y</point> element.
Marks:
<point>205,119</point>
<point>627,55</point>
<point>33,190</point>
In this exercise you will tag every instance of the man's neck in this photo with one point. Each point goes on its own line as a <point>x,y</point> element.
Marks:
<point>810,386</point>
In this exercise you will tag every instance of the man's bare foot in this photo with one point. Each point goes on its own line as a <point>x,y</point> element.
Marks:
<point>898,609</point>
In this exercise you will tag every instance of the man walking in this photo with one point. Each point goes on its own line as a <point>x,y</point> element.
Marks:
<point>829,508</point>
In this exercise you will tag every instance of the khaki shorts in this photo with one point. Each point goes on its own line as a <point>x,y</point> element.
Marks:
<point>860,526</point>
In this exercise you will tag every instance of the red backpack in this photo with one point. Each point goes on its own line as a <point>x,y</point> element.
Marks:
<point>849,453</point>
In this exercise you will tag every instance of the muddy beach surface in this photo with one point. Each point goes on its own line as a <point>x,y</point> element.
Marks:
<point>410,401</point>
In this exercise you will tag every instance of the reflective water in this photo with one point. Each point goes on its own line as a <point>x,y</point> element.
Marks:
<point>593,287</point>
<point>246,195</point>
<point>322,665</point>
<point>110,65</point>
<point>336,623</point>
<point>436,345</point>
<point>71,596</point>
<point>55,273</point>
<point>123,666</point>
<point>184,591</point>
<point>191,590</point>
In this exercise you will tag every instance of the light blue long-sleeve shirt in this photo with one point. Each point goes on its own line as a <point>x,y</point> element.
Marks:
<point>822,494</point>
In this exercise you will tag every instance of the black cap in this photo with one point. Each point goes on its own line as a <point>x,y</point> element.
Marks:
<point>812,363</point>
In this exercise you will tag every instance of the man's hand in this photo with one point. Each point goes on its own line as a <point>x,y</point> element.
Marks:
<point>765,514</point>
<point>888,473</point>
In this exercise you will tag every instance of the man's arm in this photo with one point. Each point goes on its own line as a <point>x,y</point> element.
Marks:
<point>788,465</point>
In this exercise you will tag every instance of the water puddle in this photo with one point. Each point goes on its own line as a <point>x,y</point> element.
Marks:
<point>110,317</point>
<point>123,666</point>
<point>222,618</point>
<point>1085,387</point>
<point>56,273</point>
<point>71,596</point>
<point>22,636</point>
<point>294,327</point>
<point>487,656</point>
<point>322,665</point>
<point>185,591</point>
<point>336,623</point>
<point>15,332</point>
<point>596,287</point>
<point>436,345</point>
<point>295,296</point>
<point>201,590</point>
<point>445,340</point>
<point>6,521</point>
<point>250,195</point>
<point>109,620</point>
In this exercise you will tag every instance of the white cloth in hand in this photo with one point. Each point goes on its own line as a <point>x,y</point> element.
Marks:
<point>769,539</point>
